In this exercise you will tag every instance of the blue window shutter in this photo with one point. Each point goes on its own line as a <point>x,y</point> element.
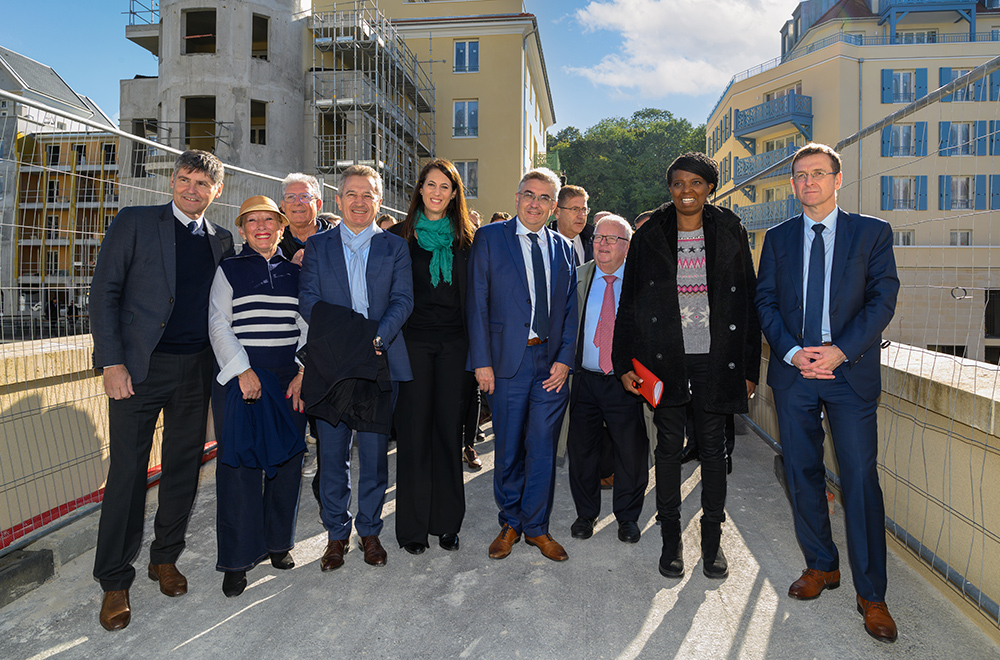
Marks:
<point>886,85</point>
<point>944,133</point>
<point>944,77</point>
<point>995,191</point>
<point>995,86</point>
<point>980,192</point>
<point>886,193</point>
<point>980,93</point>
<point>922,192</point>
<point>994,138</point>
<point>921,86</point>
<point>982,138</point>
<point>920,138</point>
<point>944,192</point>
<point>886,141</point>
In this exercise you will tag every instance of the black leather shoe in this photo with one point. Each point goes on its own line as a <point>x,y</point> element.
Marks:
<point>414,548</point>
<point>583,528</point>
<point>233,583</point>
<point>449,541</point>
<point>282,560</point>
<point>628,531</point>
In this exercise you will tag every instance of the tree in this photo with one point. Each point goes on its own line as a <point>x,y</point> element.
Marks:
<point>622,162</point>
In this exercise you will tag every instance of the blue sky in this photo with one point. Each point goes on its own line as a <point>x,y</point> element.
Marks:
<point>605,58</point>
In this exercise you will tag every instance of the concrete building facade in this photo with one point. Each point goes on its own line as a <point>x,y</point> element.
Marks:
<point>845,65</point>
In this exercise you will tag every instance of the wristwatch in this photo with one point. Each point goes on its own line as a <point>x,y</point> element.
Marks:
<point>379,346</point>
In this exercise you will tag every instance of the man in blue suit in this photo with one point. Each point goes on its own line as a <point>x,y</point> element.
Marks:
<point>359,266</point>
<point>826,290</point>
<point>522,339</point>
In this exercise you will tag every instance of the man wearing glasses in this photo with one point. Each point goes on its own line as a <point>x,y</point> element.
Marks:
<point>826,290</point>
<point>301,201</point>
<point>571,221</point>
<point>522,334</point>
<point>598,398</point>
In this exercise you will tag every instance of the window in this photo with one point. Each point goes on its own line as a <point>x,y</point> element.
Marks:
<point>51,262</point>
<point>961,136</point>
<point>974,91</point>
<point>52,154</point>
<point>967,93</point>
<point>466,57</point>
<point>904,193</point>
<point>902,140</point>
<point>903,86</point>
<point>258,122</point>
<point>199,122</point>
<point>258,37</point>
<point>783,142</point>
<point>917,37</point>
<point>81,153</point>
<point>52,227</point>
<point>957,351</point>
<point>902,237</point>
<point>993,314</point>
<point>110,153</point>
<point>777,94</point>
<point>469,171</point>
<point>53,191</point>
<point>199,33</point>
<point>963,194</point>
<point>466,119</point>
<point>960,237</point>
<point>110,196</point>
<point>777,194</point>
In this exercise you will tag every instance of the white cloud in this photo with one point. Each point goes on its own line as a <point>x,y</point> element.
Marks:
<point>686,47</point>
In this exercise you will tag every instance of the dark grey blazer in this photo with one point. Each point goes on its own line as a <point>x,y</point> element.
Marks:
<point>132,293</point>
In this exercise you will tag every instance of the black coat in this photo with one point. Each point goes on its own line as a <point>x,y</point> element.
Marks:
<point>648,325</point>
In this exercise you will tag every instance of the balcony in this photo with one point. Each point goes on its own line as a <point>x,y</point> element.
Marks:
<point>794,109</point>
<point>767,214</point>
<point>748,168</point>
<point>893,11</point>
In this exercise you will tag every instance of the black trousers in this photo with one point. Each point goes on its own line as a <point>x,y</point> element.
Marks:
<point>430,490</point>
<point>710,429</point>
<point>179,385</point>
<point>598,399</point>
<point>472,407</point>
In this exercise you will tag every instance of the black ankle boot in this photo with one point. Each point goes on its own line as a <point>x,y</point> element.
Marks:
<point>672,557</point>
<point>233,583</point>
<point>715,564</point>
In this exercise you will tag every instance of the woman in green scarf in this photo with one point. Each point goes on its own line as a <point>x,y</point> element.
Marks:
<point>430,490</point>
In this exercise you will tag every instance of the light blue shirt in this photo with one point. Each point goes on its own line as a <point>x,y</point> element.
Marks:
<point>595,300</point>
<point>829,234</point>
<point>543,243</point>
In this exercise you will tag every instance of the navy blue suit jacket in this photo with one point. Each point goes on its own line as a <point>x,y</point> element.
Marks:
<point>499,303</point>
<point>863,289</point>
<point>390,287</point>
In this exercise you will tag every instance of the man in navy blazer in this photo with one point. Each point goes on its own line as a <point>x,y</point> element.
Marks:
<point>359,266</point>
<point>149,319</point>
<point>826,290</point>
<point>521,304</point>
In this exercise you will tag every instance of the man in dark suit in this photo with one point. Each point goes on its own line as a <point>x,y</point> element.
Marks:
<point>522,333</point>
<point>359,266</point>
<point>826,290</point>
<point>571,221</point>
<point>149,318</point>
<point>598,398</point>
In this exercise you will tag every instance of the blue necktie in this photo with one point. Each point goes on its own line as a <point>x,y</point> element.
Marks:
<point>541,325</point>
<point>812,327</point>
<point>195,228</point>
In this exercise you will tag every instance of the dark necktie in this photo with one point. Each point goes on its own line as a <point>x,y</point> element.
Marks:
<point>541,323</point>
<point>195,228</point>
<point>812,327</point>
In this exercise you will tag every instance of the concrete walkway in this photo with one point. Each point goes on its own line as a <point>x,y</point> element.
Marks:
<point>607,601</point>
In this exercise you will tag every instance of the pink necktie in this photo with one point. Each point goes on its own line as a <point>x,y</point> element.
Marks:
<point>605,335</point>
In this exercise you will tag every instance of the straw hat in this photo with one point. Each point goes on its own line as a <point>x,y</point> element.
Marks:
<point>260,203</point>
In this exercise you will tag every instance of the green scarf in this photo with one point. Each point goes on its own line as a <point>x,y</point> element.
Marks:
<point>436,237</point>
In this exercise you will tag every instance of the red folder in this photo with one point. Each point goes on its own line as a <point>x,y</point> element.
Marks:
<point>651,387</point>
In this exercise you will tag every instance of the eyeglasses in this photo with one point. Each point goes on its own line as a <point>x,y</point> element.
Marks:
<point>531,197</point>
<point>305,198</point>
<point>610,240</point>
<point>816,176</point>
<point>576,209</point>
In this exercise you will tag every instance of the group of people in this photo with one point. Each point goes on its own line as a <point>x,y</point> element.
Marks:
<point>352,327</point>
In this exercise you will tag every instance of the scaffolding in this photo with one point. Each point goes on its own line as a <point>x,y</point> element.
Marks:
<point>372,101</point>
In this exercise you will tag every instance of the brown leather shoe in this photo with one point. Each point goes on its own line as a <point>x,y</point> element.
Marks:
<point>172,583</point>
<point>472,458</point>
<point>504,542</point>
<point>333,556</point>
<point>548,546</point>
<point>374,552</point>
<point>878,621</point>
<point>812,583</point>
<point>116,611</point>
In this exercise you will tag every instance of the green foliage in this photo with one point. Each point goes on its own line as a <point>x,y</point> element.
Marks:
<point>622,162</point>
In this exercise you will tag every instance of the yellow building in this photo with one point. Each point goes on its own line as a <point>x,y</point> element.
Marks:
<point>492,97</point>
<point>846,65</point>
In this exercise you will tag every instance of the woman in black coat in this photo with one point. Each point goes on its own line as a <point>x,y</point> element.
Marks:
<point>430,489</point>
<point>686,313</point>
